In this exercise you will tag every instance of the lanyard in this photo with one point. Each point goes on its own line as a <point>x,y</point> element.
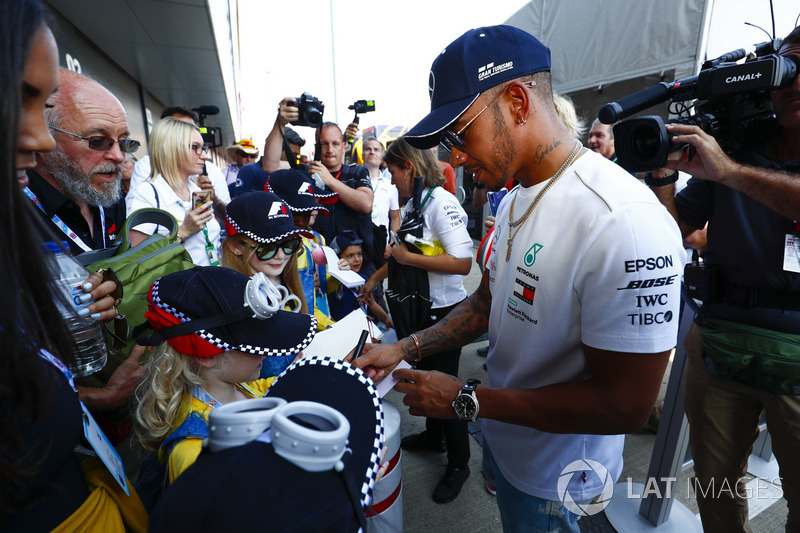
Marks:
<point>211,250</point>
<point>47,356</point>
<point>206,398</point>
<point>212,402</point>
<point>424,200</point>
<point>60,224</point>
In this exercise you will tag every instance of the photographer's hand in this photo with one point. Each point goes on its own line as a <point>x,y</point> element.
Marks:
<point>351,132</point>
<point>777,189</point>
<point>316,167</point>
<point>288,111</point>
<point>709,163</point>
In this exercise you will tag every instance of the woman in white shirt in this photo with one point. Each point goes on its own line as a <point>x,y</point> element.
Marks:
<point>445,225</point>
<point>177,153</point>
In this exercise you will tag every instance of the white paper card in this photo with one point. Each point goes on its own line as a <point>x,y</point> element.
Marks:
<point>387,383</point>
<point>791,254</point>
<point>104,449</point>
<point>348,278</point>
<point>338,340</point>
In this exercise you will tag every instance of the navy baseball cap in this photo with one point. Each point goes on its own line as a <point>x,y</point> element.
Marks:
<point>296,189</point>
<point>478,60</point>
<point>345,238</point>
<point>262,216</point>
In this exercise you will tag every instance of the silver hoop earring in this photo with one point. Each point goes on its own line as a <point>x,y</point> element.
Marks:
<point>523,121</point>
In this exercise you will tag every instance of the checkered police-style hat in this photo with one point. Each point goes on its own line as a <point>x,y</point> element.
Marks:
<point>211,496</point>
<point>262,216</point>
<point>214,297</point>
<point>478,60</point>
<point>297,190</point>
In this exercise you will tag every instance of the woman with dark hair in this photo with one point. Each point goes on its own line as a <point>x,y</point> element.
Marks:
<point>446,262</point>
<point>42,484</point>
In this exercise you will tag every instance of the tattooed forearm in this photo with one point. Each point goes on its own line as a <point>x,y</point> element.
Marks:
<point>463,324</point>
<point>542,151</point>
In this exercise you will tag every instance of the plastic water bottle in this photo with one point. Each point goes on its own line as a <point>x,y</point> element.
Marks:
<point>67,277</point>
<point>425,246</point>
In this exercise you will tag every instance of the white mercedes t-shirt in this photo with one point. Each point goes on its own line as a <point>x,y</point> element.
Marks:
<point>598,262</point>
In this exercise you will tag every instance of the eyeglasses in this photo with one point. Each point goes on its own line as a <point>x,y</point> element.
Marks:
<point>264,252</point>
<point>199,149</point>
<point>248,156</point>
<point>101,143</point>
<point>450,139</point>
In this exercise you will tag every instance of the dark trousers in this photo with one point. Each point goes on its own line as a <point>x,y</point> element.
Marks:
<point>456,435</point>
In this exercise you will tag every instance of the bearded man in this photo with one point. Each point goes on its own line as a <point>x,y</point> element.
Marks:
<point>77,186</point>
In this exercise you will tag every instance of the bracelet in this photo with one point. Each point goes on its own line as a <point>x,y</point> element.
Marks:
<point>660,181</point>
<point>419,351</point>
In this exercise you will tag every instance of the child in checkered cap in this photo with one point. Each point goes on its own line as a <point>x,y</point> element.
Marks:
<point>213,328</point>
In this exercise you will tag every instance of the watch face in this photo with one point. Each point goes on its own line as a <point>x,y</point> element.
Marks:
<point>464,406</point>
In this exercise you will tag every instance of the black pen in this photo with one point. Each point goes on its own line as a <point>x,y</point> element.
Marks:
<point>360,346</point>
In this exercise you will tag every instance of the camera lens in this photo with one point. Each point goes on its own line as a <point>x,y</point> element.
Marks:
<point>645,142</point>
<point>314,117</point>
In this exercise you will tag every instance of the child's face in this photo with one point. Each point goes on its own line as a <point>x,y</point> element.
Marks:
<point>306,219</point>
<point>352,254</point>
<point>272,267</point>
<point>238,367</point>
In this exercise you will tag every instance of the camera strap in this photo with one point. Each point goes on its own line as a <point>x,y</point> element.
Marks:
<point>290,156</point>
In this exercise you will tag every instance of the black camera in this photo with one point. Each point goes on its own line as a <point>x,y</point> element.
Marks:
<point>310,109</point>
<point>362,106</point>
<point>732,105</point>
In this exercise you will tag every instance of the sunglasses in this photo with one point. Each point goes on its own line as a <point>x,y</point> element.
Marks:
<point>450,139</point>
<point>248,156</point>
<point>265,252</point>
<point>100,143</point>
<point>118,330</point>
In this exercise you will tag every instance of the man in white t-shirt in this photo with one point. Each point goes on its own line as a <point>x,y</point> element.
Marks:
<point>580,297</point>
<point>385,199</point>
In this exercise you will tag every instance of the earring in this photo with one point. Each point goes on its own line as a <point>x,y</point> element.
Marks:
<point>522,121</point>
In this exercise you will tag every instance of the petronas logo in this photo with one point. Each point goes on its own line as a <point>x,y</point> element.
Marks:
<point>530,255</point>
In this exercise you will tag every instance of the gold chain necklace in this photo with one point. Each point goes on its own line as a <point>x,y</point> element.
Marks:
<point>518,223</point>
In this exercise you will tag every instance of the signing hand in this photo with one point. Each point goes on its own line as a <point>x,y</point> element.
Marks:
<point>378,360</point>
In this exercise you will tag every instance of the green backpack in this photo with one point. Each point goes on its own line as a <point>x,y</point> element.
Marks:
<point>136,268</point>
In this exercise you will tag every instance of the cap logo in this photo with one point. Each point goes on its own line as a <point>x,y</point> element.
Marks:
<point>490,69</point>
<point>431,84</point>
<point>277,209</point>
<point>305,188</point>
